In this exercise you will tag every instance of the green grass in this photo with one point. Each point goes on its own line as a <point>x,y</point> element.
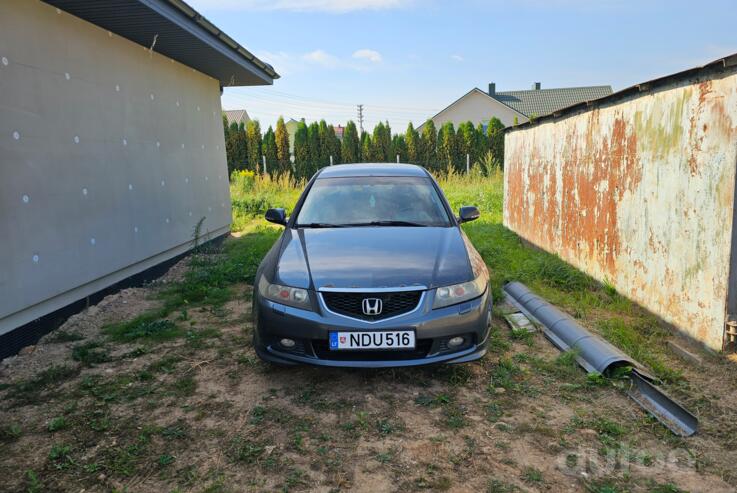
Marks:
<point>57,423</point>
<point>147,327</point>
<point>29,390</point>
<point>90,354</point>
<point>252,195</point>
<point>10,432</point>
<point>210,277</point>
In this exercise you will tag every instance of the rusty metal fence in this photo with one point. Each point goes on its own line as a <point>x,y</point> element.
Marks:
<point>638,190</point>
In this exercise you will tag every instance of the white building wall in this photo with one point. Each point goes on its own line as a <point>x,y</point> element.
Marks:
<point>109,156</point>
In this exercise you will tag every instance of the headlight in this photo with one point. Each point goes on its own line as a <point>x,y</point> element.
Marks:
<point>458,293</point>
<point>296,297</point>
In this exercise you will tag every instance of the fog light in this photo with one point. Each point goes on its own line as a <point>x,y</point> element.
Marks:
<point>287,343</point>
<point>455,341</point>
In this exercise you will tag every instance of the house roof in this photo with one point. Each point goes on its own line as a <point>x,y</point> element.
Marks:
<point>236,116</point>
<point>174,29</point>
<point>540,102</point>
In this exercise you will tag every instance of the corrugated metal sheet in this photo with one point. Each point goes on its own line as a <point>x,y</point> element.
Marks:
<point>638,192</point>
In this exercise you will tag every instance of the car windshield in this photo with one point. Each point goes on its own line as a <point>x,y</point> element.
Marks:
<point>373,201</point>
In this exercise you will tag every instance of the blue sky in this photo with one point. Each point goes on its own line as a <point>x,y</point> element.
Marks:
<point>407,59</point>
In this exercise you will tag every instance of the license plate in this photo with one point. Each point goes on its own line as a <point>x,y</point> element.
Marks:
<point>379,339</point>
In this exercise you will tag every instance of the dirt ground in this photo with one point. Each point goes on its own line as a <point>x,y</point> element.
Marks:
<point>200,412</point>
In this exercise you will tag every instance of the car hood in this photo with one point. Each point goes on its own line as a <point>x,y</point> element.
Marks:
<point>373,257</point>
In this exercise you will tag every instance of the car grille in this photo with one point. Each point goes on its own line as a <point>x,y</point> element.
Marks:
<point>393,303</point>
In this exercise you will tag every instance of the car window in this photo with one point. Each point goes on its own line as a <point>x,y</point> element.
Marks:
<point>371,199</point>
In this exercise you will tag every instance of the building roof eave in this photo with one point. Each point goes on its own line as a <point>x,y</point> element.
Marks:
<point>176,30</point>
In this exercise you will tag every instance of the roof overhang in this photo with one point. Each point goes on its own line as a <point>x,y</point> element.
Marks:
<point>180,32</point>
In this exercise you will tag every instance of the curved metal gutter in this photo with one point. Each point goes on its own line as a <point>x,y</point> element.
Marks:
<point>597,355</point>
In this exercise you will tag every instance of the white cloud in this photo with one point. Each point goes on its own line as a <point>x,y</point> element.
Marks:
<point>333,6</point>
<point>370,55</point>
<point>283,62</point>
<point>457,58</point>
<point>320,57</point>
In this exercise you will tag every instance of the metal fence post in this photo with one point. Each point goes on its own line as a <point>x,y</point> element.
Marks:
<point>397,158</point>
<point>468,163</point>
<point>331,160</point>
<point>263,158</point>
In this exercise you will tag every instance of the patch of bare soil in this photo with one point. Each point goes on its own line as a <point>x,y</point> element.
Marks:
<point>202,413</point>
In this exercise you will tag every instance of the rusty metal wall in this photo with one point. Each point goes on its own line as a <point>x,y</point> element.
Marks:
<point>638,192</point>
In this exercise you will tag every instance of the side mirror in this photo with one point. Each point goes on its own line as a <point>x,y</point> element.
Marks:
<point>277,216</point>
<point>468,213</point>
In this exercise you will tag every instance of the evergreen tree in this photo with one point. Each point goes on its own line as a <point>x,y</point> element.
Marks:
<point>226,129</point>
<point>482,142</point>
<point>270,151</point>
<point>313,148</point>
<point>447,146</point>
<point>382,144</point>
<point>495,134</point>
<point>324,144</point>
<point>282,147</point>
<point>399,148</point>
<point>333,145</point>
<point>366,147</point>
<point>229,145</point>
<point>301,151</point>
<point>467,144</point>
<point>235,148</point>
<point>377,154</point>
<point>253,139</point>
<point>428,146</point>
<point>412,141</point>
<point>386,143</point>
<point>349,148</point>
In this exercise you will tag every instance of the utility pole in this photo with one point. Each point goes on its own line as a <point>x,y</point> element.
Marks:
<point>360,117</point>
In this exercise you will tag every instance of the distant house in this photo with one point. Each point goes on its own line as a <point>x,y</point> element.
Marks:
<point>478,106</point>
<point>237,117</point>
<point>339,129</point>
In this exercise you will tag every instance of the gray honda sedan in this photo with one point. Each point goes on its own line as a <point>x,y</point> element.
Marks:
<point>372,270</point>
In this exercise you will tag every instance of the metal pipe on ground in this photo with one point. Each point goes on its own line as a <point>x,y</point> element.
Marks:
<point>597,355</point>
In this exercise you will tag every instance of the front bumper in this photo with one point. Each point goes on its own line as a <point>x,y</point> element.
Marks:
<point>433,328</point>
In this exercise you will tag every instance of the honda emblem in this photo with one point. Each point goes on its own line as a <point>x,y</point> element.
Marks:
<point>371,306</point>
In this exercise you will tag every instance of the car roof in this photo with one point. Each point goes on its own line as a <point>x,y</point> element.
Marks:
<point>371,169</point>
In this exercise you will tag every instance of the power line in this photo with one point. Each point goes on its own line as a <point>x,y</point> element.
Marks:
<point>321,102</point>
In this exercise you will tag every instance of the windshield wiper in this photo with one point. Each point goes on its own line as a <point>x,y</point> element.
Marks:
<point>389,223</point>
<point>321,225</point>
